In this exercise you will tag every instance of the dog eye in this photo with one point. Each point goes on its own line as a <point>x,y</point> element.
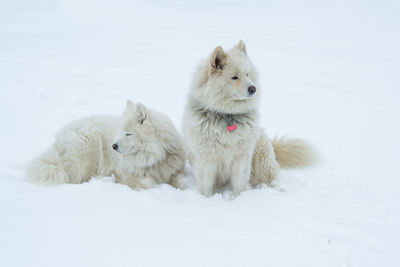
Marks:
<point>235,78</point>
<point>128,134</point>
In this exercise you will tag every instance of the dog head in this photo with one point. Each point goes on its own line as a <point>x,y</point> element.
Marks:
<point>138,136</point>
<point>227,81</point>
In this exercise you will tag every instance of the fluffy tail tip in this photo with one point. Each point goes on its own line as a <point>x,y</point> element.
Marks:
<point>46,169</point>
<point>293,153</point>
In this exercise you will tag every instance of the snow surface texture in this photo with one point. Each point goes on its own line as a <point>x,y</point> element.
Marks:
<point>330,73</point>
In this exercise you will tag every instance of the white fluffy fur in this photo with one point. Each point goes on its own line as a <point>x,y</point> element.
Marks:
<point>241,157</point>
<point>149,151</point>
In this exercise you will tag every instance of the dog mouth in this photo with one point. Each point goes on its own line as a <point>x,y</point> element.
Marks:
<point>119,151</point>
<point>243,98</point>
<point>237,97</point>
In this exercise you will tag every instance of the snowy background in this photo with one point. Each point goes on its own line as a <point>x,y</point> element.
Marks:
<point>330,73</point>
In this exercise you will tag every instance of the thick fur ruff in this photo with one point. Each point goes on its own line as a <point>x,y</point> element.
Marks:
<point>147,151</point>
<point>223,94</point>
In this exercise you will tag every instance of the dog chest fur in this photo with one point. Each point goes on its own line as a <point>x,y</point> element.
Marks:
<point>212,142</point>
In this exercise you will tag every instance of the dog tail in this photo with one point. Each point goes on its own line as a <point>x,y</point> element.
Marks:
<point>47,169</point>
<point>292,153</point>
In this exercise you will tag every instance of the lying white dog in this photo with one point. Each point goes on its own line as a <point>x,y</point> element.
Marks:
<point>141,148</point>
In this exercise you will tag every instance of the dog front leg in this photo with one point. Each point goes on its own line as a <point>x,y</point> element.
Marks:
<point>206,175</point>
<point>138,183</point>
<point>240,175</point>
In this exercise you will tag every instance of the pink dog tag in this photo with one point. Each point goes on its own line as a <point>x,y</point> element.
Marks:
<point>231,128</point>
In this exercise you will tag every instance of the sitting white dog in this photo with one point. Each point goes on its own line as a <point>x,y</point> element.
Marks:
<point>142,148</point>
<point>224,142</point>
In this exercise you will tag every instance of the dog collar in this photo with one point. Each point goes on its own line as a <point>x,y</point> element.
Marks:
<point>231,120</point>
<point>231,126</point>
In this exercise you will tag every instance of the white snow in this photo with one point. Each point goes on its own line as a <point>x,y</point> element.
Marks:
<point>330,73</point>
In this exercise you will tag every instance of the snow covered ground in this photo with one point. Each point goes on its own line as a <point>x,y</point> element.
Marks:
<point>330,73</point>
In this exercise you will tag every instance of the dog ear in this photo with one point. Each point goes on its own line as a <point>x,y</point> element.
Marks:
<point>218,58</point>
<point>142,113</point>
<point>242,47</point>
<point>129,103</point>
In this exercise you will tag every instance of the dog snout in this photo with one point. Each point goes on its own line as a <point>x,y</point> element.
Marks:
<point>115,146</point>
<point>251,90</point>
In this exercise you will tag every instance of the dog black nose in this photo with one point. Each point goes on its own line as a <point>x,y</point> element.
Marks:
<point>115,146</point>
<point>252,90</point>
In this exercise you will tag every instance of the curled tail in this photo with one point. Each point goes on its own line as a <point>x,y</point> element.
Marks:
<point>292,153</point>
<point>47,169</point>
